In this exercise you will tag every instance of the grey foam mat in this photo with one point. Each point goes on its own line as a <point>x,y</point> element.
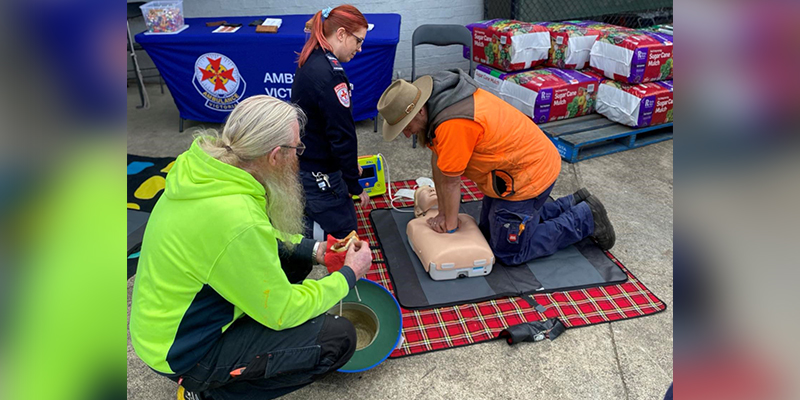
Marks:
<point>582,265</point>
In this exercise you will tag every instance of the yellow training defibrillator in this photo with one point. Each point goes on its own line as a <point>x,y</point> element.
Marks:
<point>373,175</point>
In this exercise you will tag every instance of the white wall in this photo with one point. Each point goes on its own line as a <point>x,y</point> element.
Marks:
<point>413,13</point>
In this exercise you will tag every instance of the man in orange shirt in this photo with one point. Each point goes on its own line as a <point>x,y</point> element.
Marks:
<point>473,133</point>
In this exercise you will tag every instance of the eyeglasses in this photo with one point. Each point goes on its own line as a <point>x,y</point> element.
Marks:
<point>300,148</point>
<point>359,40</point>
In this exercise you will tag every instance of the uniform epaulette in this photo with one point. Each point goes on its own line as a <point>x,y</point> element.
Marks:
<point>337,66</point>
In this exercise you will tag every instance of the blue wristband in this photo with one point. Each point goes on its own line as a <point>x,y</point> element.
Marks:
<point>452,230</point>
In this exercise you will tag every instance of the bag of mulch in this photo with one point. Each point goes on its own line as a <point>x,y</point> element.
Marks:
<point>633,56</point>
<point>509,45</point>
<point>570,43</point>
<point>546,94</point>
<point>662,28</point>
<point>602,28</point>
<point>636,105</point>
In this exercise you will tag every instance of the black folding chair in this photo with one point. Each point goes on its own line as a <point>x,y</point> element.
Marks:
<point>135,12</point>
<point>439,35</point>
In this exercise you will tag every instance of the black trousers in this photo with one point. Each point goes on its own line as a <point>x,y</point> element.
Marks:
<point>251,361</point>
<point>333,210</point>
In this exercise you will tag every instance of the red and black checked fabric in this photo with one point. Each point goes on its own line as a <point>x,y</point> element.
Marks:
<point>446,327</point>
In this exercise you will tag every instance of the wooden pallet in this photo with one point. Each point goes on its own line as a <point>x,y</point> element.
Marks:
<point>593,135</point>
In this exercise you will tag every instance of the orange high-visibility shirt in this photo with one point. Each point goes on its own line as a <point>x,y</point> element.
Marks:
<point>500,149</point>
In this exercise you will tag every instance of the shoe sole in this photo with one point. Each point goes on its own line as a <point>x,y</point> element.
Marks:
<point>582,193</point>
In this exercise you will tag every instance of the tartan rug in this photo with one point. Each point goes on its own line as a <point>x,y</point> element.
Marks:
<point>446,327</point>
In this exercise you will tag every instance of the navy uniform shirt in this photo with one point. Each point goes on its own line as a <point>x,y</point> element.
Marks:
<point>322,90</point>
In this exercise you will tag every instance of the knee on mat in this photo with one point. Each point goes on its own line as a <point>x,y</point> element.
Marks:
<point>338,342</point>
<point>510,254</point>
<point>510,259</point>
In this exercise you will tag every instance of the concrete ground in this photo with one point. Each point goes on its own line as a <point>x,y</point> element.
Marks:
<point>629,359</point>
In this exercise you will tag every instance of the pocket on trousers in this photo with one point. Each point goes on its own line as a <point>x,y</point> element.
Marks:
<point>507,235</point>
<point>318,202</point>
<point>291,360</point>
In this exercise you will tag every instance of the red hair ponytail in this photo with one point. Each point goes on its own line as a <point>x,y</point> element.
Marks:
<point>344,16</point>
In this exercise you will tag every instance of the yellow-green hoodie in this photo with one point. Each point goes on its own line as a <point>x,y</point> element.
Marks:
<point>210,255</point>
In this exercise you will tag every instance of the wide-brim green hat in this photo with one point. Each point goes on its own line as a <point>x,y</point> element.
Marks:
<point>377,314</point>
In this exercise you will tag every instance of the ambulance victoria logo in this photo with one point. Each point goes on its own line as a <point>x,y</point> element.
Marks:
<point>217,79</point>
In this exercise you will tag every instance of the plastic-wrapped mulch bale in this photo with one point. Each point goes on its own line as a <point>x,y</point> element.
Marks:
<point>570,43</point>
<point>636,105</point>
<point>662,28</point>
<point>546,94</point>
<point>602,27</point>
<point>509,45</point>
<point>633,56</point>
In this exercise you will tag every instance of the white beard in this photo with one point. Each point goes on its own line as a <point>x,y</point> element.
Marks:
<point>285,200</point>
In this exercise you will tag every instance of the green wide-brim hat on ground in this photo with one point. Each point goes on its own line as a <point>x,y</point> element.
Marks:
<point>378,314</point>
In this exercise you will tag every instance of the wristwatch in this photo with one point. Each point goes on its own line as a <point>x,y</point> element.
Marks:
<point>314,253</point>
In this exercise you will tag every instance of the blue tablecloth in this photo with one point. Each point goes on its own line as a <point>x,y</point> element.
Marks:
<point>209,73</point>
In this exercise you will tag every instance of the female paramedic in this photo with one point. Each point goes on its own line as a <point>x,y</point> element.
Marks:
<point>329,167</point>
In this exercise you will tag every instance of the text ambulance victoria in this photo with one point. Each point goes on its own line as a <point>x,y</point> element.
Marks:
<point>276,81</point>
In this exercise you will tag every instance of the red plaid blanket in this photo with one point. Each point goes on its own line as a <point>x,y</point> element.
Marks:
<point>446,327</point>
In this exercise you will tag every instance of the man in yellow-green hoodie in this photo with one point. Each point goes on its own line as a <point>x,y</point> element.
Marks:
<point>220,304</point>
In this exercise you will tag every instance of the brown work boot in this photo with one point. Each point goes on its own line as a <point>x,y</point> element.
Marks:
<point>603,230</point>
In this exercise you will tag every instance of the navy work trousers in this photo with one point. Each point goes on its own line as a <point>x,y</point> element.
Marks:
<point>520,231</point>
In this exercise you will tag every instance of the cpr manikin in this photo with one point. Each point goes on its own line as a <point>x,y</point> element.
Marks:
<point>464,253</point>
